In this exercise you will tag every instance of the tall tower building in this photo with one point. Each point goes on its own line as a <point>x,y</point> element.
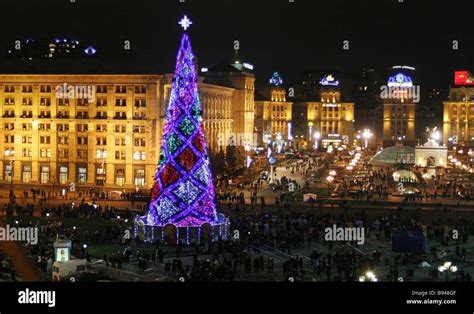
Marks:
<point>399,100</point>
<point>273,114</point>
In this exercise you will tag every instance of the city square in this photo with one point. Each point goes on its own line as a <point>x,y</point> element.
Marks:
<point>214,155</point>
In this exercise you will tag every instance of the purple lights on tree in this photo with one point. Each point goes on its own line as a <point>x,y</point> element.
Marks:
<point>183,192</point>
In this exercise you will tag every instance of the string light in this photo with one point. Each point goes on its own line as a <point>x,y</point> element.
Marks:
<point>183,193</point>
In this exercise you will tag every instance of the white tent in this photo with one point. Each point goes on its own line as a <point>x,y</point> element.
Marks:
<point>424,264</point>
<point>307,197</point>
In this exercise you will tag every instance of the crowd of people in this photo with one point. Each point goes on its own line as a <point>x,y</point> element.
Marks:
<point>287,233</point>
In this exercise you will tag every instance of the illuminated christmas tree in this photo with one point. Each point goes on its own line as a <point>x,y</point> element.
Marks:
<point>183,192</point>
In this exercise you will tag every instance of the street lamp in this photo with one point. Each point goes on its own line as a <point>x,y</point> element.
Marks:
<point>367,135</point>
<point>310,126</point>
<point>317,136</point>
<point>448,267</point>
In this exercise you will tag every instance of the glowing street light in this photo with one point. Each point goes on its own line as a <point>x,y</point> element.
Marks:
<point>317,136</point>
<point>367,135</point>
<point>369,276</point>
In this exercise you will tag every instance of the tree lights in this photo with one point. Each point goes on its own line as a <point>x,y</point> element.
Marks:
<point>183,193</point>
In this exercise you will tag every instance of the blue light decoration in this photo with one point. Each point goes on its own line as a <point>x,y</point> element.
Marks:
<point>183,193</point>
<point>400,80</point>
<point>276,79</point>
<point>329,80</point>
<point>90,50</point>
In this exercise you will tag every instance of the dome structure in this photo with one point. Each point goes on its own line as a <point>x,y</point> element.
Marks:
<point>394,155</point>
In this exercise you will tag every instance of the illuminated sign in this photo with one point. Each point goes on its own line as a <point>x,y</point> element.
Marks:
<point>276,79</point>
<point>403,67</point>
<point>329,80</point>
<point>463,78</point>
<point>400,80</point>
<point>248,66</point>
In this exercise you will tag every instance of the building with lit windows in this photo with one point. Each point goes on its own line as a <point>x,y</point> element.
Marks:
<point>97,130</point>
<point>330,121</point>
<point>458,116</point>
<point>273,118</point>
<point>238,78</point>
<point>399,98</point>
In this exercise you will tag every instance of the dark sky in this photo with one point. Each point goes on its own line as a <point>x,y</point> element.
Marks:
<point>274,35</point>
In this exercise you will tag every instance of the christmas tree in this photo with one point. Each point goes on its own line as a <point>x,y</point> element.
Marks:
<point>183,192</point>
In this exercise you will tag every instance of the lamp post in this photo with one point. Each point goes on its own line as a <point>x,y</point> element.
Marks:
<point>279,137</point>
<point>310,129</point>
<point>367,135</point>
<point>317,136</point>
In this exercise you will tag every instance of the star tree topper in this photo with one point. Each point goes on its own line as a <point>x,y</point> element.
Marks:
<point>185,22</point>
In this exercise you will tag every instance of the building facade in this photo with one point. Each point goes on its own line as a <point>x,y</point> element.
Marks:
<point>399,97</point>
<point>100,131</point>
<point>330,121</point>
<point>273,118</point>
<point>399,122</point>
<point>241,84</point>
<point>458,117</point>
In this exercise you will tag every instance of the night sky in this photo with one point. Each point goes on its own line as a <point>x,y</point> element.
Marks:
<point>274,35</point>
